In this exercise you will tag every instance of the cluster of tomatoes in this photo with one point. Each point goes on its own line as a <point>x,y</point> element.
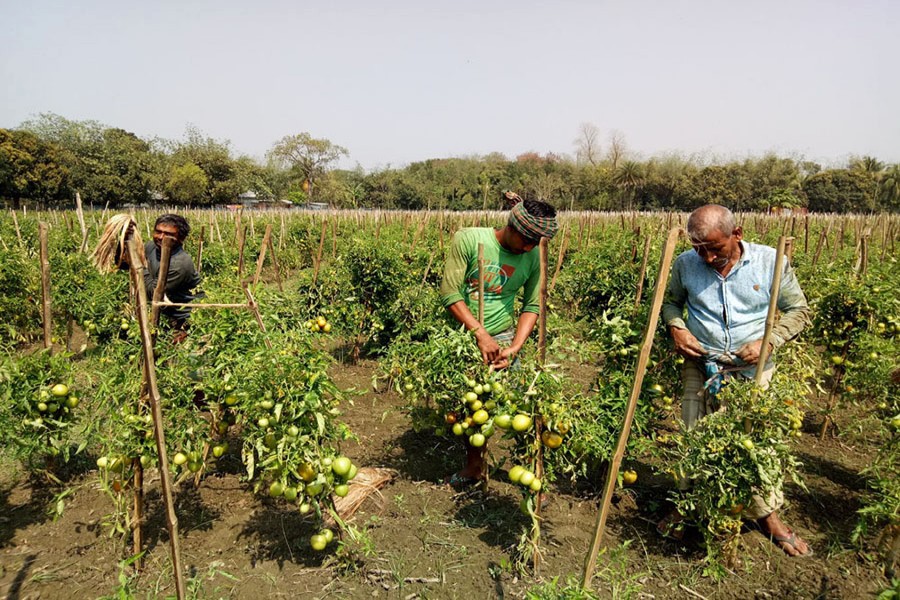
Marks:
<point>479,415</point>
<point>55,402</point>
<point>319,324</point>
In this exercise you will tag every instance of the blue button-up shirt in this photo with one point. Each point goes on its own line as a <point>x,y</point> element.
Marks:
<point>724,313</point>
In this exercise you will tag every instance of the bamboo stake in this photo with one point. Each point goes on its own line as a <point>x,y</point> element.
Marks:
<point>319,253</point>
<point>564,245</point>
<point>266,242</point>
<point>789,249</point>
<point>481,283</point>
<point>538,466</point>
<point>823,239</point>
<point>275,264</point>
<point>161,277</point>
<point>200,249</point>
<point>193,305</point>
<point>218,231</point>
<point>334,226</point>
<point>242,238</point>
<point>643,357</point>
<point>282,235</point>
<point>254,308</point>
<point>643,271</point>
<point>80,213</point>
<point>156,411</point>
<point>46,316</point>
<point>806,235</point>
<point>427,268</point>
<point>252,229</point>
<point>16,224</point>
<point>773,308</point>
<point>862,263</point>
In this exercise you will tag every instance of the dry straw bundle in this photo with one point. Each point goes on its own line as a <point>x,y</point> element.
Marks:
<point>109,255</point>
<point>366,483</point>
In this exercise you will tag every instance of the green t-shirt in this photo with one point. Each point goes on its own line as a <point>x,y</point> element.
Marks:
<point>505,274</point>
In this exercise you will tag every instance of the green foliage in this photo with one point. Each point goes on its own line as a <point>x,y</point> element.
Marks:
<point>839,190</point>
<point>739,451</point>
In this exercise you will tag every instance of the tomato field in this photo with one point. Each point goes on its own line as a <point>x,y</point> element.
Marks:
<point>354,364</point>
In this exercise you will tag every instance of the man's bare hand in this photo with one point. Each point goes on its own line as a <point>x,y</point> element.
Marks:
<point>507,355</point>
<point>490,349</point>
<point>749,352</point>
<point>686,344</point>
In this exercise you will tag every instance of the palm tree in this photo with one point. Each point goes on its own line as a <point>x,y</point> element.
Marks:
<point>889,188</point>
<point>629,178</point>
<point>867,164</point>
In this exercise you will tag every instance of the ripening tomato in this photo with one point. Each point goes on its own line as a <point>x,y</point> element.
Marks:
<point>318,542</point>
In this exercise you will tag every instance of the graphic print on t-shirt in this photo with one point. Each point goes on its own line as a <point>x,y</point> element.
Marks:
<point>495,277</point>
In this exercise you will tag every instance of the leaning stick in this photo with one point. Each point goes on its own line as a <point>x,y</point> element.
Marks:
<point>161,277</point>
<point>542,356</point>
<point>80,213</point>
<point>45,285</point>
<point>319,253</point>
<point>481,283</point>
<point>275,264</point>
<point>559,259</point>
<point>773,307</point>
<point>643,271</point>
<point>262,253</point>
<point>643,358</point>
<point>200,249</point>
<point>242,237</point>
<point>16,224</point>
<point>156,411</point>
<point>254,308</point>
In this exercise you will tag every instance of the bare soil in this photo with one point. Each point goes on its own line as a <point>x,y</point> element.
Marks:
<point>427,540</point>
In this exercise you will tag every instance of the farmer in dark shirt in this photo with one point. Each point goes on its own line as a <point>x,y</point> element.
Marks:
<point>182,277</point>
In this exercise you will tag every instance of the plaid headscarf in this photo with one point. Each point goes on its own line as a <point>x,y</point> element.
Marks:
<point>533,228</point>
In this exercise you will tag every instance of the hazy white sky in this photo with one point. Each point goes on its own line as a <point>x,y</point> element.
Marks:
<point>406,80</point>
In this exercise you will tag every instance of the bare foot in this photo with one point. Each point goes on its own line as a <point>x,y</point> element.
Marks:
<point>783,536</point>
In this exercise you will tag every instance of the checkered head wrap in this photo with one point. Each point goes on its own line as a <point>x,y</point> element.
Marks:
<point>531,227</point>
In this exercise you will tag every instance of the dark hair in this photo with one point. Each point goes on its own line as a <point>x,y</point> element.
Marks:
<point>536,208</point>
<point>178,221</point>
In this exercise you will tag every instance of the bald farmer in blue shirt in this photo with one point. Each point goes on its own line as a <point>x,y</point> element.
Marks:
<point>724,284</point>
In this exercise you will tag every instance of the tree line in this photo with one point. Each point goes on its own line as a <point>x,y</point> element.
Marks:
<point>46,160</point>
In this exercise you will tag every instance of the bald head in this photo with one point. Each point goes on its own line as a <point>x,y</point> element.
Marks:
<point>708,219</point>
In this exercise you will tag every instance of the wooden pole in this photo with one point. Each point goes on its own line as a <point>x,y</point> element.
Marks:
<point>481,283</point>
<point>334,236</point>
<point>538,467</point>
<point>275,264</point>
<point>80,213</point>
<point>46,316</point>
<point>158,426</point>
<point>564,245</point>
<point>16,224</point>
<point>266,242</point>
<point>200,249</point>
<point>160,290</point>
<point>319,253</point>
<point>773,308</point>
<point>242,238</point>
<point>643,358</point>
<point>254,308</point>
<point>643,271</point>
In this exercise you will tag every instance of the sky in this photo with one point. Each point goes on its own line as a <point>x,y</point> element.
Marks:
<point>401,81</point>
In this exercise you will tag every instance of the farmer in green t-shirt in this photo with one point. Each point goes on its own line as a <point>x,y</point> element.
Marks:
<point>511,263</point>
